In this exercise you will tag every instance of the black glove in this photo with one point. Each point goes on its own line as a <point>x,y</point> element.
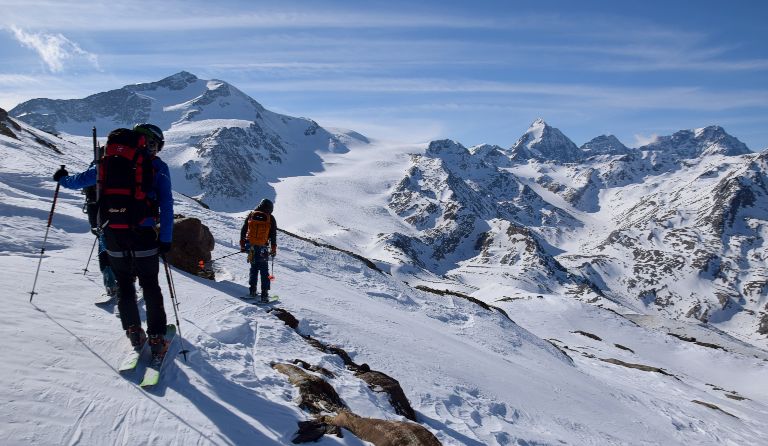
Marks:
<point>62,172</point>
<point>163,248</point>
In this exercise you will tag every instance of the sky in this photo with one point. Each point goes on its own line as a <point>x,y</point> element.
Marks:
<point>476,72</point>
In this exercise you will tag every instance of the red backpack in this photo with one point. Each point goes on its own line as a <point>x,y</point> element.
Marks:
<point>125,177</point>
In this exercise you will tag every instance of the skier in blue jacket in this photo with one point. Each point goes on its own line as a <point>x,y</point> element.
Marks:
<point>134,252</point>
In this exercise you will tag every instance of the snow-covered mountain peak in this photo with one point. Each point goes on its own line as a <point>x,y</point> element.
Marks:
<point>223,147</point>
<point>446,147</point>
<point>182,97</point>
<point>178,81</point>
<point>711,140</point>
<point>545,143</point>
<point>604,145</point>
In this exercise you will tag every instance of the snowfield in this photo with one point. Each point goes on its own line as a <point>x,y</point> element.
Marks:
<point>547,370</point>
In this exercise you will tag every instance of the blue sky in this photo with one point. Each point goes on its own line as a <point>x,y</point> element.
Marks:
<point>474,71</point>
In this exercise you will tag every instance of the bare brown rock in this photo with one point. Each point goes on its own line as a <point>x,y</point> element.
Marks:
<point>381,382</point>
<point>384,432</point>
<point>192,242</point>
<point>315,394</point>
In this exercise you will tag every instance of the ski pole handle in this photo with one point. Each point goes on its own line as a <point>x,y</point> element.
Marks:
<point>53,205</point>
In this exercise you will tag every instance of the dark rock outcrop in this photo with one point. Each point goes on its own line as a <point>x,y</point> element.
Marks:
<point>4,129</point>
<point>315,394</point>
<point>377,381</point>
<point>192,242</point>
<point>381,382</point>
<point>384,432</point>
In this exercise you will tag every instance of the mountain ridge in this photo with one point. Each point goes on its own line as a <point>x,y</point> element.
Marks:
<point>605,223</point>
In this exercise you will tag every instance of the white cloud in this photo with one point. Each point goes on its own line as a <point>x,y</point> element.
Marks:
<point>642,140</point>
<point>54,49</point>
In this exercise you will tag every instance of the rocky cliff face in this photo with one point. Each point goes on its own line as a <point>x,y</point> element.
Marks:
<point>677,226</point>
<point>472,216</point>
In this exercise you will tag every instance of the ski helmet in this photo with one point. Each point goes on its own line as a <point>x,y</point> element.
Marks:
<point>266,205</point>
<point>153,132</point>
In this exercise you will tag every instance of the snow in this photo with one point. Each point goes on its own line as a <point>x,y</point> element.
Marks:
<point>473,376</point>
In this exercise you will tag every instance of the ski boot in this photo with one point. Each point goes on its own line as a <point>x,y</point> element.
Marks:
<point>265,297</point>
<point>136,335</point>
<point>158,346</point>
<point>252,292</point>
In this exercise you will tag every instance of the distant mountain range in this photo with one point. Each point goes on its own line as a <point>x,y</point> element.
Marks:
<point>677,226</point>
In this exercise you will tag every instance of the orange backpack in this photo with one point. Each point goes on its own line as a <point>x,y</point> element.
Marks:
<point>258,228</point>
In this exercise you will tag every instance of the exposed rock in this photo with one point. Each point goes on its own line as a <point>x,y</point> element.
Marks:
<point>192,242</point>
<point>693,340</point>
<point>315,394</point>
<point>381,382</point>
<point>589,335</point>
<point>763,328</point>
<point>313,430</point>
<point>384,432</point>
<point>377,381</point>
<point>4,130</point>
<point>645,368</point>
<point>604,145</point>
<point>713,406</point>
<point>314,368</point>
<point>286,317</point>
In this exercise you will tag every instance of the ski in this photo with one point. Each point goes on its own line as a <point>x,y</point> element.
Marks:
<point>131,360</point>
<point>105,298</point>
<point>155,367</point>
<point>256,300</point>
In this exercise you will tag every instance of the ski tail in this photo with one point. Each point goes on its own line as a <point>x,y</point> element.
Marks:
<point>154,370</point>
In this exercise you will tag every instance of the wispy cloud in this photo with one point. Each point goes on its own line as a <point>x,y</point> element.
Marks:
<point>55,50</point>
<point>183,16</point>
<point>642,140</point>
<point>670,98</point>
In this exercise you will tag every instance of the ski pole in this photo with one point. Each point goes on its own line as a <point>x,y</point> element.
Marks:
<point>224,257</point>
<point>45,239</point>
<point>202,263</point>
<point>271,276</point>
<point>98,233</point>
<point>85,270</point>
<point>175,304</point>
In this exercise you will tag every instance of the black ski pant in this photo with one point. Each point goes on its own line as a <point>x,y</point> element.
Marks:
<point>133,253</point>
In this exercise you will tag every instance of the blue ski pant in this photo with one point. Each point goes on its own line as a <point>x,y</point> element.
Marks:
<point>259,267</point>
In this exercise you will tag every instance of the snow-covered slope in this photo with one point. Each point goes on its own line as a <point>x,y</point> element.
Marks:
<point>473,376</point>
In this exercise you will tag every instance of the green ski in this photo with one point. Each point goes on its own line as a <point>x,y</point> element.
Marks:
<point>131,360</point>
<point>155,367</point>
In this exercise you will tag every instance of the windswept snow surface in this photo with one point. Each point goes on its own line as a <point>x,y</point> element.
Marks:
<point>473,376</point>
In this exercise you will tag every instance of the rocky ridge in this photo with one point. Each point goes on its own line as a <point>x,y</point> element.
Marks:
<point>681,222</point>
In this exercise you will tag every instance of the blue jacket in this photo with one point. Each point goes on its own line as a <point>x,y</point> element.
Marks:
<point>161,192</point>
